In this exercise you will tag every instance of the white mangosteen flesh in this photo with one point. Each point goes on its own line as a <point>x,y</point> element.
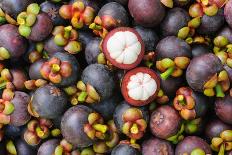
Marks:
<point>124,47</point>
<point>141,86</point>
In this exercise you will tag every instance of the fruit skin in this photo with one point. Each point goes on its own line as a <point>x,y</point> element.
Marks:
<point>223,108</point>
<point>179,48</point>
<point>23,148</point>
<point>228,13</point>
<point>214,128</point>
<point>48,147</point>
<point>49,101</point>
<point>101,78</point>
<point>14,7</point>
<point>165,122</point>
<point>149,37</point>
<point>200,49</point>
<point>72,126</point>
<point>13,131</point>
<point>226,31</point>
<point>125,149</point>
<point>107,107</point>
<point>113,61</point>
<point>121,108</point>
<point>53,11</point>
<point>211,24</point>
<point>174,20</point>
<point>197,76</point>
<point>34,70</point>
<point>126,80</point>
<point>51,47</point>
<point>156,146</point>
<point>188,144</point>
<point>12,41</point>
<point>20,116</point>
<point>42,28</point>
<point>19,77</point>
<point>92,50</point>
<point>149,14</point>
<point>72,79</point>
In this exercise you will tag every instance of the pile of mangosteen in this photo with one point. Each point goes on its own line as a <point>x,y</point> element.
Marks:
<point>119,77</point>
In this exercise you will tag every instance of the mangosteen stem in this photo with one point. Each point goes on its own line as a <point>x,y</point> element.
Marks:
<point>67,32</point>
<point>94,26</point>
<point>219,91</point>
<point>55,68</point>
<point>82,96</point>
<point>134,129</point>
<point>100,127</point>
<point>167,73</point>
<point>39,132</point>
<point>222,149</point>
<point>181,99</point>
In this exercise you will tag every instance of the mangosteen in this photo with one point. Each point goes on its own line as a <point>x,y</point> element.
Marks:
<point>175,19</point>
<point>107,107</point>
<point>14,7</point>
<point>92,50</point>
<point>130,120</point>
<point>223,108</point>
<point>140,86</point>
<point>228,13</point>
<point>149,14</point>
<point>211,24</point>
<point>34,24</point>
<point>125,149</point>
<point>48,147</point>
<point>205,74</point>
<point>126,53</point>
<point>18,78</point>
<point>199,49</point>
<point>156,146</point>
<point>149,37</point>
<point>165,123</point>
<point>12,45</point>
<point>53,11</point>
<point>190,104</point>
<point>20,115</point>
<point>22,148</point>
<point>226,31</point>
<point>62,69</point>
<point>192,145</point>
<point>99,80</point>
<point>34,70</point>
<point>214,128</point>
<point>173,56</point>
<point>80,126</point>
<point>110,16</point>
<point>48,102</point>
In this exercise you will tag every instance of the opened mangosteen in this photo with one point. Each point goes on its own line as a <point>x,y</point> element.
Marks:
<point>48,102</point>
<point>173,56</point>
<point>48,147</point>
<point>97,82</point>
<point>63,39</point>
<point>149,14</point>
<point>190,104</point>
<point>110,16</point>
<point>165,123</point>
<point>223,108</point>
<point>130,120</point>
<point>193,145</point>
<point>81,126</point>
<point>175,19</point>
<point>62,69</point>
<point>206,74</point>
<point>140,86</point>
<point>125,149</point>
<point>93,50</point>
<point>228,13</point>
<point>199,49</point>
<point>34,24</point>
<point>12,45</point>
<point>123,47</point>
<point>156,146</point>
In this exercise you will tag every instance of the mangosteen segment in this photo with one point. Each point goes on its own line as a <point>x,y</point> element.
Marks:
<point>123,47</point>
<point>140,86</point>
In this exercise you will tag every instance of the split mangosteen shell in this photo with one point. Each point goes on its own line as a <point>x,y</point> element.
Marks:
<point>126,80</point>
<point>114,62</point>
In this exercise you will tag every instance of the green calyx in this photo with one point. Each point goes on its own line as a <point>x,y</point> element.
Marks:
<point>33,8</point>
<point>10,147</point>
<point>167,73</point>
<point>219,91</point>
<point>221,41</point>
<point>4,53</point>
<point>183,33</point>
<point>177,137</point>
<point>197,151</point>
<point>24,30</point>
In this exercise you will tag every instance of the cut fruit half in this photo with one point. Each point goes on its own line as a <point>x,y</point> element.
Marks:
<point>140,86</point>
<point>123,47</point>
